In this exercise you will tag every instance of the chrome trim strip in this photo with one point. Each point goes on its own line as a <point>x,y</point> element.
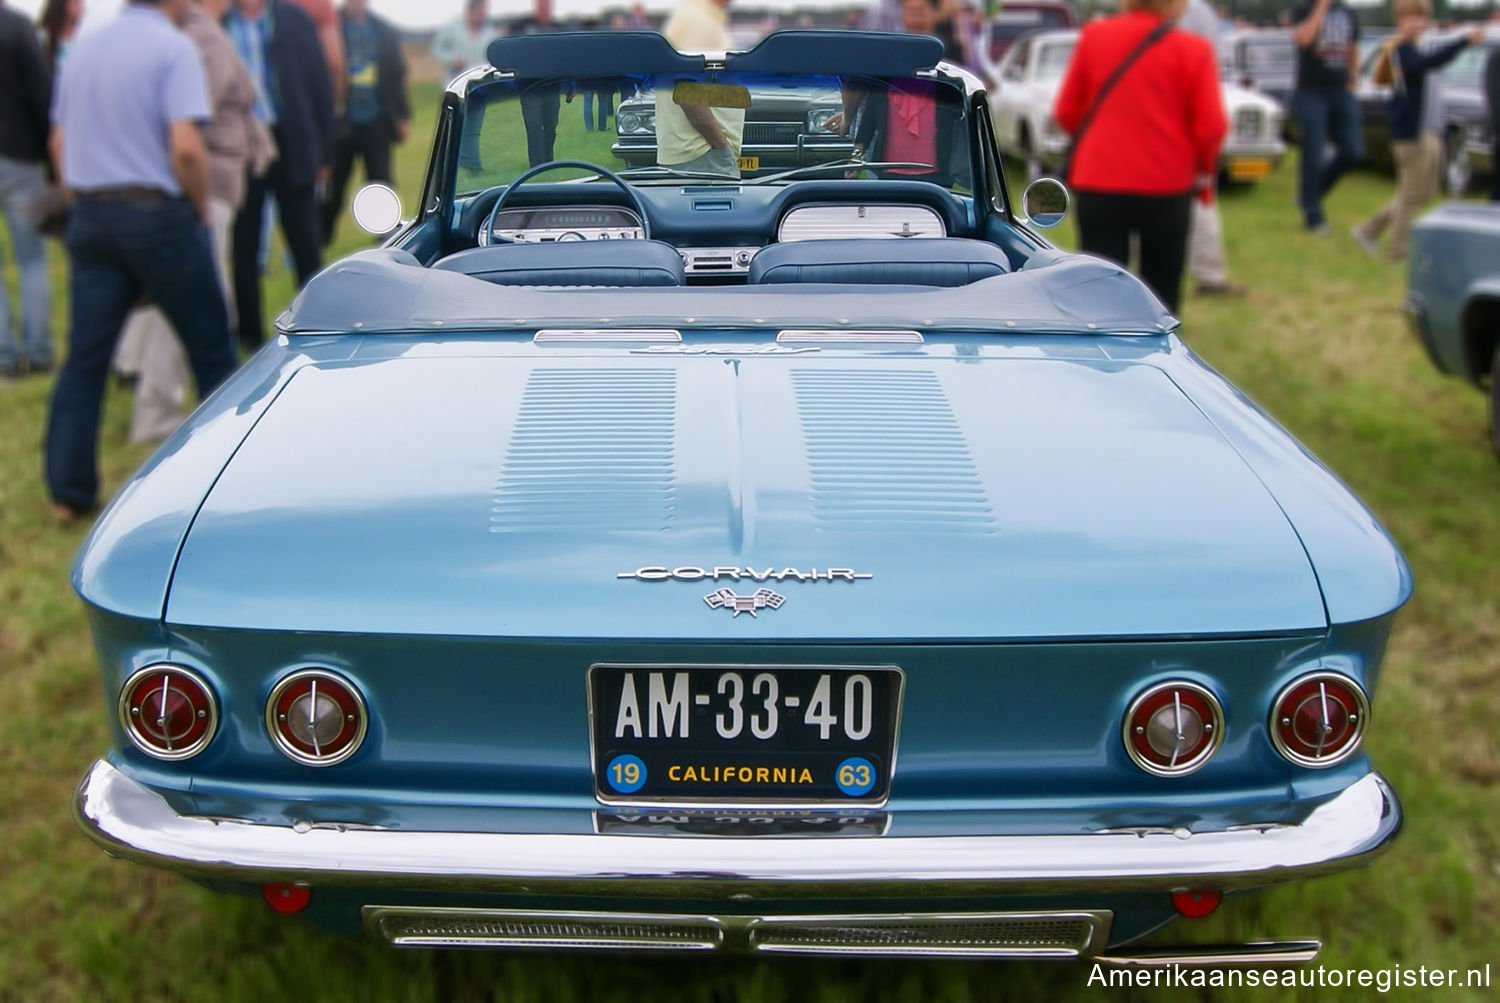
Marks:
<point>1267,954</point>
<point>585,335</point>
<point>842,336</point>
<point>375,916</point>
<point>136,823</point>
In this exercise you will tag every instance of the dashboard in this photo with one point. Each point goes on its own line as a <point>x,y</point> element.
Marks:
<point>737,221</point>
<point>544,225</point>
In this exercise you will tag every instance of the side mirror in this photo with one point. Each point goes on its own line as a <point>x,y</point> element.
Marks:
<point>1044,203</point>
<point>377,209</point>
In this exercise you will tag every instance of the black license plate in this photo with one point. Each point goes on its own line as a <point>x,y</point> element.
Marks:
<point>744,735</point>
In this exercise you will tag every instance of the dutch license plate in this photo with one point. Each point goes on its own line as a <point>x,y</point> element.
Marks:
<point>743,735</point>
<point>1249,169</point>
<point>748,163</point>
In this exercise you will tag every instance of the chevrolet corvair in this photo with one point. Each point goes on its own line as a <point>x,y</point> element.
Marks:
<point>811,560</point>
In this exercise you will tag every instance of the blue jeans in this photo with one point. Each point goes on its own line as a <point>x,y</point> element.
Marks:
<point>468,140</point>
<point>606,99</point>
<point>1325,117</point>
<point>21,184</point>
<point>124,248</point>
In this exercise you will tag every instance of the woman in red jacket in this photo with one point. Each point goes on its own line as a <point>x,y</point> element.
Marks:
<point>1152,143</point>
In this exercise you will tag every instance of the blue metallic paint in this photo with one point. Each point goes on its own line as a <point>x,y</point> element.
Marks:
<point>1113,514</point>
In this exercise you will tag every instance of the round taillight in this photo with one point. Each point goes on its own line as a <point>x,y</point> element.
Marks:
<point>316,717</point>
<point>1173,728</point>
<point>1319,719</point>
<point>168,711</point>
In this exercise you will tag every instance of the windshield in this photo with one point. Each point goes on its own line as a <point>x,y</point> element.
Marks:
<point>716,128</point>
<point>1052,60</point>
<point>1467,69</point>
<point>1011,24</point>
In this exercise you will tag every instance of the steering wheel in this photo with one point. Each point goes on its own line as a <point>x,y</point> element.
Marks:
<point>551,165</point>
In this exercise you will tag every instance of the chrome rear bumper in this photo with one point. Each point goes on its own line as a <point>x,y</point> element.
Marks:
<point>135,823</point>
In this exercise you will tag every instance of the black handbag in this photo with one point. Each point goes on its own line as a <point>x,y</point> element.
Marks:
<point>1155,35</point>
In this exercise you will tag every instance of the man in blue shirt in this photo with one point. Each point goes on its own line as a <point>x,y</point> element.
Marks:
<point>125,136</point>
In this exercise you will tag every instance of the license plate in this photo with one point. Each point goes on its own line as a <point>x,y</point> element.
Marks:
<point>748,163</point>
<point>1249,169</point>
<point>743,735</point>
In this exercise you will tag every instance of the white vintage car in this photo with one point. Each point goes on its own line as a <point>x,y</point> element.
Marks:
<point>1031,73</point>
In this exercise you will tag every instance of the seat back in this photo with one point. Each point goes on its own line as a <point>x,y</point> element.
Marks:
<point>921,261</point>
<point>571,263</point>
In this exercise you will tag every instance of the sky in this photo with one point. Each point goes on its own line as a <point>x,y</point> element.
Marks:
<point>430,13</point>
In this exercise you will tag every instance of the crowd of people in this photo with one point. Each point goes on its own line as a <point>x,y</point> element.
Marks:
<point>182,128</point>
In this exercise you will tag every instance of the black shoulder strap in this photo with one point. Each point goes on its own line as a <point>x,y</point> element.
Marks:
<point>1151,39</point>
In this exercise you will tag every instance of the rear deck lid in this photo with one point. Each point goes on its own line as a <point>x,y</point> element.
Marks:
<point>803,496</point>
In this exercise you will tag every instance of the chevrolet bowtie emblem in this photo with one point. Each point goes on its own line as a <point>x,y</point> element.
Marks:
<point>757,600</point>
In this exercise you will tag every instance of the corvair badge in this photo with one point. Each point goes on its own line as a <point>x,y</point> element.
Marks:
<point>758,600</point>
<point>692,573</point>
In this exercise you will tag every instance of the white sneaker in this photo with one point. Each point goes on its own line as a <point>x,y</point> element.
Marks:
<point>1365,241</point>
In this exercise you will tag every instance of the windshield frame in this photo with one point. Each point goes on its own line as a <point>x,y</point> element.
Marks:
<point>955,85</point>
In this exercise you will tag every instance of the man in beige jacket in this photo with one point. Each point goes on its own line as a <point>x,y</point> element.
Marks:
<point>234,138</point>
<point>698,138</point>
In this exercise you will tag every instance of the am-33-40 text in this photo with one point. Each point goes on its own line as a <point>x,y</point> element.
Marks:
<point>762,734</point>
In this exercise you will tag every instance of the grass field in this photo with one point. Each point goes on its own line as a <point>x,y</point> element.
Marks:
<point>1319,342</point>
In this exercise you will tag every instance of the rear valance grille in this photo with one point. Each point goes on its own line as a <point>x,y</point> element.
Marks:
<point>415,927</point>
<point>1004,935</point>
<point>1060,935</point>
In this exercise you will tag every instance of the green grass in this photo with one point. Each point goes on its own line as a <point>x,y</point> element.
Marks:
<point>1319,343</point>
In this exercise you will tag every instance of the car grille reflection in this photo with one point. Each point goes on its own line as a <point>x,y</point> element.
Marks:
<point>1248,123</point>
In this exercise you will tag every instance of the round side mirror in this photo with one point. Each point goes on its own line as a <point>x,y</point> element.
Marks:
<point>377,209</point>
<point>1045,202</point>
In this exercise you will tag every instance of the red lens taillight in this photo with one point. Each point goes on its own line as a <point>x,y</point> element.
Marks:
<point>316,717</point>
<point>1173,728</point>
<point>168,711</point>
<point>1319,719</point>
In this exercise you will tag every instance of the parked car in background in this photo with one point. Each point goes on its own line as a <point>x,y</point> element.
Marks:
<point>1464,100</point>
<point>1453,295</point>
<point>1464,122</point>
<point>1260,59</point>
<point>784,127</point>
<point>1014,20</point>
<point>1028,81</point>
<point>816,561</point>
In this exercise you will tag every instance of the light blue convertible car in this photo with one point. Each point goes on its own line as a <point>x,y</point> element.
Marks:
<point>694,557</point>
